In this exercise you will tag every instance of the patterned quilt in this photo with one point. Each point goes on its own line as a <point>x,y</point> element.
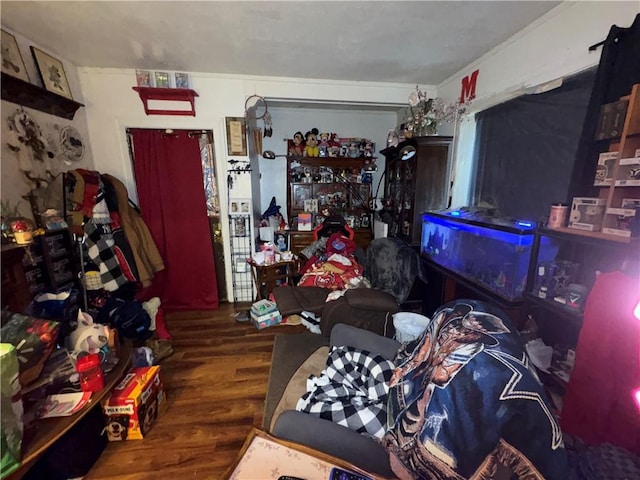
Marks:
<point>466,403</point>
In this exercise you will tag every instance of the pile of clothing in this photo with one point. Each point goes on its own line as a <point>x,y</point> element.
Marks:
<point>119,242</point>
<point>336,268</point>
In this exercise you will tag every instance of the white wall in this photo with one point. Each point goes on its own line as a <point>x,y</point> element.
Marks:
<point>112,106</point>
<point>345,122</point>
<point>14,183</point>
<point>555,45</point>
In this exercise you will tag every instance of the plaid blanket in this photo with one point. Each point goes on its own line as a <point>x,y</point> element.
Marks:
<point>352,391</point>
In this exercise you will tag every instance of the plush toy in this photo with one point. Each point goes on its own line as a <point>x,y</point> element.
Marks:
<point>368,149</point>
<point>297,145</point>
<point>354,149</point>
<point>88,337</point>
<point>324,144</point>
<point>311,143</point>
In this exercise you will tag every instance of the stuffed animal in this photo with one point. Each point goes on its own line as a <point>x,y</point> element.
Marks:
<point>311,143</point>
<point>297,145</point>
<point>88,337</point>
<point>324,144</point>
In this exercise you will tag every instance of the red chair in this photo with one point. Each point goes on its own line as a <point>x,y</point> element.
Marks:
<point>331,225</point>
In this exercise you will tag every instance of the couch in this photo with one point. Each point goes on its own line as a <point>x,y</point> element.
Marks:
<point>390,266</point>
<point>464,403</point>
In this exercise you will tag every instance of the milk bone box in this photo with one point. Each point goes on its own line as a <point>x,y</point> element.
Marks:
<point>133,404</point>
<point>587,213</point>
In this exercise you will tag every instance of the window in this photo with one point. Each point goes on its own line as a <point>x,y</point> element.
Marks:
<point>525,149</point>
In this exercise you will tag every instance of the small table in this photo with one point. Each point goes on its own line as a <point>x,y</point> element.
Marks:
<point>267,457</point>
<point>267,277</point>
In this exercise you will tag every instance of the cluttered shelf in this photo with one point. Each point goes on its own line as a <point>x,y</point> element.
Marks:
<point>43,433</point>
<point>556,308</point>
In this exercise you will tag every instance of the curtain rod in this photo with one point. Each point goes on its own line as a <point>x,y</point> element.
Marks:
<point>596,45</point>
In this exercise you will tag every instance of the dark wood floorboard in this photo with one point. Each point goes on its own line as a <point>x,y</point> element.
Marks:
<point>215,383</point>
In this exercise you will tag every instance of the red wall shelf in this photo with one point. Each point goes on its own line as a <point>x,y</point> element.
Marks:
<point>167,94</point>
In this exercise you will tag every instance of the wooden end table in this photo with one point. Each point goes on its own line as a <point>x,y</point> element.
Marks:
<point>267,277</point>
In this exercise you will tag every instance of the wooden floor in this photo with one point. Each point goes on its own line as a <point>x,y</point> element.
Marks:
<point>215,383</point>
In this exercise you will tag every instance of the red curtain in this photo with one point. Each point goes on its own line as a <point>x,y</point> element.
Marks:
<point>168,172</point>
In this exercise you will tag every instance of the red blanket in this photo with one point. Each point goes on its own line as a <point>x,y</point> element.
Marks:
<point>599,405</point>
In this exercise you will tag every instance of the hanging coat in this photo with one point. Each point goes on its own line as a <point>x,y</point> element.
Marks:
<point>145,252</point>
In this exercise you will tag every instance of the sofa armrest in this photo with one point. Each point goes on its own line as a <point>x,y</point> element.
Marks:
<point>333,439</point>
<point>343,334</point>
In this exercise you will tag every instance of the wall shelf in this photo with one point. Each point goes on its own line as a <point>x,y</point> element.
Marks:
<point>28,95</point>
<point>167,94</point>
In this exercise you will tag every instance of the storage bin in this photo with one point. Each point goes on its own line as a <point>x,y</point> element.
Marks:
<point>409,325</point>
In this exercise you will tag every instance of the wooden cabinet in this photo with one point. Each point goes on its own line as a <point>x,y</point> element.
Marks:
<point>338,184</point>
<point>417,185</point>
<point>47,264</point>
<point>15,288</point>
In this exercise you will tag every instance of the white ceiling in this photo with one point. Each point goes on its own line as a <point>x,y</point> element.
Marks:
<point>399,42</point>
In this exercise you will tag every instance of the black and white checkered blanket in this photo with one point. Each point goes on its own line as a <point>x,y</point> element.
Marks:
<point>352,391</point>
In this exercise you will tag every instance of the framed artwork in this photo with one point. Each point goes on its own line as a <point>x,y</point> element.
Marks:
<point>162,79</point>
<point>236,136</point>
<point>281,241</point>
<point>300,194</point>
<point>52,73</point>
<point>182,80</point>
<point>12,63</point>
<point>365,220</point>
<point>240,207</point>
<point>143,78</point>
<point>239,226</point>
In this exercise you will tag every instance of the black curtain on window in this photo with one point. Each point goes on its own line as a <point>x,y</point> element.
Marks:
<point>618,71</point>
<point>525,149</point>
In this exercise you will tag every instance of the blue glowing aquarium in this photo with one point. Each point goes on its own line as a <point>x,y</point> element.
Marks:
<point>493,253</point>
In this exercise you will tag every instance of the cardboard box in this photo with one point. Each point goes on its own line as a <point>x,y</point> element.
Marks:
<point>266,320</point>
<point>587,213</point>
<point>133,405</point>
<point>264,306</point>
<point>627,223</point>
<point>628,172</point>
<point>611,120</point>
<point>604,171</point>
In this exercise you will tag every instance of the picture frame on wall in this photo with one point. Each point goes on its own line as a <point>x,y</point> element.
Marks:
<point>182,80</point>
<point>12,62</point>
<point>236,136</point>
<point>240,206</point>
<point>143,78</point>
<point>162,79</point>
<point>51,70</point>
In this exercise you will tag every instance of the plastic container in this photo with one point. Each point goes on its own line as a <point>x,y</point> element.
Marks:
<point>91,378</point>
<point>409,325</point>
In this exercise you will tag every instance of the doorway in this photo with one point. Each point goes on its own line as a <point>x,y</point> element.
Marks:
<point>177,188</point>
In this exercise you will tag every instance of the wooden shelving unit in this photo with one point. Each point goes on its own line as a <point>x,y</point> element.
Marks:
<point>27,94</point>
<point>626,147</point>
